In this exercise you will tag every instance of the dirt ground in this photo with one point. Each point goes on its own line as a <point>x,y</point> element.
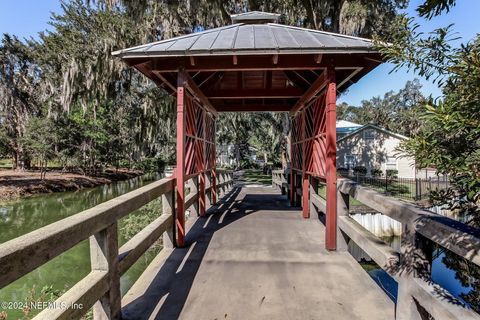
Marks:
<point>14,184</point>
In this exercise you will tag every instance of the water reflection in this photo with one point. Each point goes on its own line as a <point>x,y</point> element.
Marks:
<point>25,215</point>
<point>456,275</point>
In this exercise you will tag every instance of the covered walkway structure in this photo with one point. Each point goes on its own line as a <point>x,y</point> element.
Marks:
<point>257,65</point>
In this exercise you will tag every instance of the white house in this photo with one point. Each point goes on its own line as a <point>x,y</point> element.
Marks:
<point>374,148</point>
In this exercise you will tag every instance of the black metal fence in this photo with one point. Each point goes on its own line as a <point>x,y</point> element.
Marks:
<point>402,188</point>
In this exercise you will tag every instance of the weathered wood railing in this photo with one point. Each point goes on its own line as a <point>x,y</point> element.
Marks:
<point>411,268</point>
<point>418,297</point>
<point>100,289</point>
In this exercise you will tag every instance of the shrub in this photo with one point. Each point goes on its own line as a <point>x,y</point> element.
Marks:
<point>376,172</point>
<point>391,173</point>
<point>149,165</point>
<point>360,170</point>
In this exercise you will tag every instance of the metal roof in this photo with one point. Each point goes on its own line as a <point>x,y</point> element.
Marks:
<point>242,38</point>
<point>255,16</point>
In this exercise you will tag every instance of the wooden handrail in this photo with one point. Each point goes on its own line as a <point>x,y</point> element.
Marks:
<point>22,255</point>
<point>410,267</point>
<point>451,234</point>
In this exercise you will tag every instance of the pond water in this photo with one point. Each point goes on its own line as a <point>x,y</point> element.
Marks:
<point>24,215</point>
<point>444,272</point>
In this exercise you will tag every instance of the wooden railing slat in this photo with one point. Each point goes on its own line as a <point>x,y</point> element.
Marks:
<point>139,243</point>
<point>21,255</point>
<point>84,293</point>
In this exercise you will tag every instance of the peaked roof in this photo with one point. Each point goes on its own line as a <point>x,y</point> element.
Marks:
<point>372,126</point>
<point>241,38</point>
<point>347,124</point>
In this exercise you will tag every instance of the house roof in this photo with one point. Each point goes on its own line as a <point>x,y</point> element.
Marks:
<point>243,38</point>
<point>347,124</point>
<point>372,126</point>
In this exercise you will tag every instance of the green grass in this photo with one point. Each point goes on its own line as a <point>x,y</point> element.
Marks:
<point>6,163</point>
<point>322,192</point>
<point>257,176</point>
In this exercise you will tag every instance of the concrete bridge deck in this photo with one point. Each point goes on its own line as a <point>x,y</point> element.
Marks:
<point>255,257</point>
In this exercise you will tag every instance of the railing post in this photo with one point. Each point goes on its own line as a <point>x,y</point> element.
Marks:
<point>293,186</point>
<point>343,209</point>
<point>208,183</point>
<point>415,262</point>
<point>193,183</point>
<point>313,188</point>
<point>168,207</point>
<point>104,257</point>
<point>221,180</point>
<point>214,186</point>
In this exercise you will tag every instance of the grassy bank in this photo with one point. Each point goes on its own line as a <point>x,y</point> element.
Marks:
<point>15,184</point>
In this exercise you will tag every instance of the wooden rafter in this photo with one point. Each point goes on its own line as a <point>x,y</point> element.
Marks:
<point>167,82</point>
<point>211,81</point>
<point>196,92</point>
<point>256,62</point>
<point>296,79</point>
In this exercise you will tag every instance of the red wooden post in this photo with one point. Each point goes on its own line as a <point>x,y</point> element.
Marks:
<point>305,195</point>
<point>331,174</point>
<point>305,182</point>
<point>202,177</point>
<point>180,170</point>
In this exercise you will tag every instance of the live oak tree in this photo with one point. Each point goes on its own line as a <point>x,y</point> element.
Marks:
<point>395,111</point>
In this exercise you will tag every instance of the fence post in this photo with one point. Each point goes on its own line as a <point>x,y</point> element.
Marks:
<point>104,257</point>
<point>386,182</point>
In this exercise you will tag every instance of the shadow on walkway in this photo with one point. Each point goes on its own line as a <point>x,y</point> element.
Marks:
<point>165,296</point>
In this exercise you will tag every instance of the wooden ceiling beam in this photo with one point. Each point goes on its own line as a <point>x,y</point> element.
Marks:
<point>258,62</point>
<point>253,108</point>
<point>290,92</point>
<point>311,92</point>
<point>210,83</point>
<point>296,79</point>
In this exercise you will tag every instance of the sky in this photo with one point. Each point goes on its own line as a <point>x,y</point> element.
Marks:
<point>26,18</point>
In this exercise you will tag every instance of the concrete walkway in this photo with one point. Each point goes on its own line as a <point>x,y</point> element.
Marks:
<point>255,258</point>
